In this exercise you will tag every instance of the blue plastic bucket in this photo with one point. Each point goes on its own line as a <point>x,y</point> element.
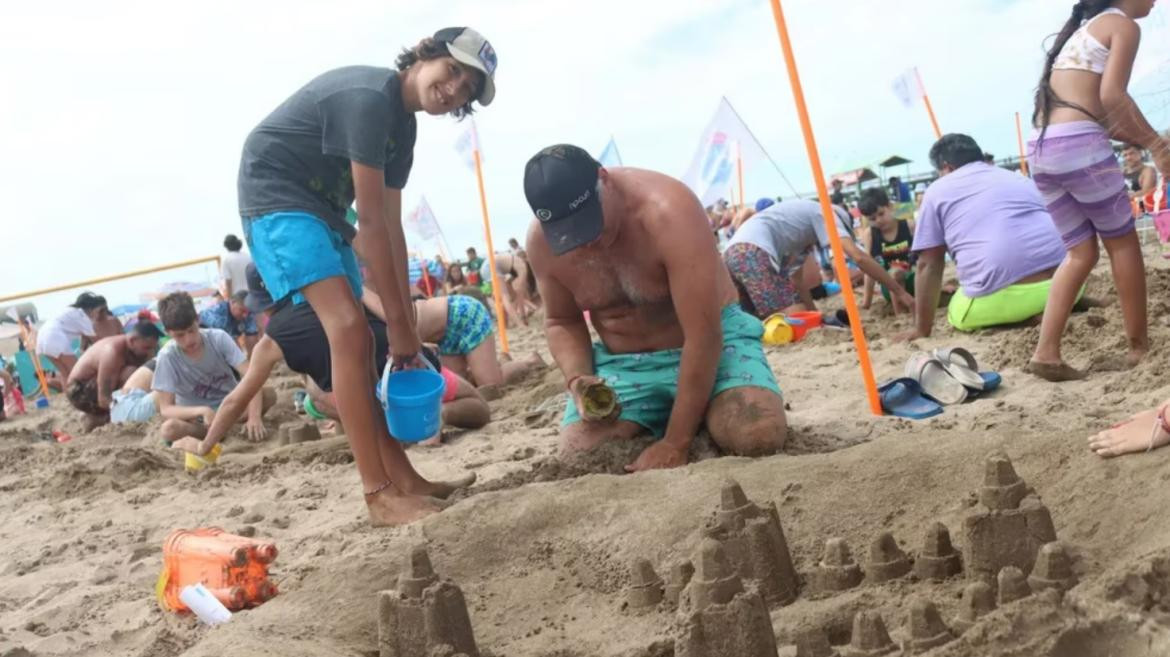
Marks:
<point>413,403</point>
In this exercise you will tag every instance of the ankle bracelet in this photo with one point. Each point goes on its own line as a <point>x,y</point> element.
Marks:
<point>379,489</point>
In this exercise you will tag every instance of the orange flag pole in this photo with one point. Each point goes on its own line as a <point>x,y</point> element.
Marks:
<point>497,291</point>
<point>36,358</point>
<point>929,108</point>
<point>814,159</point>
<point>739,170</point>
<point>1020,139</point>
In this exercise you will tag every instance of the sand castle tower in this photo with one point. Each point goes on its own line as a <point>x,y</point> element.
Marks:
<point>870,637</point>
<point>754,543</point>
<point>424,615</point>
<point>938,559</point>
<point>887,561</point>
<point>978,601</point>
<point>1053,569</point>
<point>837,570</point>
<point>719,618</point>
<point>646,587</point>
<point>925,628</point>
<point>1009,526</point>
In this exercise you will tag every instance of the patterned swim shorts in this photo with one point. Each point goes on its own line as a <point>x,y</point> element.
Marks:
<point>765,286</point>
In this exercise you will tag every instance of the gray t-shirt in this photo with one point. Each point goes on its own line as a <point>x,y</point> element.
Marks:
<point>203,382</point>
<point>298,158</point>
<point>789,228</point>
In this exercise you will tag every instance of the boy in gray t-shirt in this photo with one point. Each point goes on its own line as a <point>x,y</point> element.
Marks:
<point>195,371</point>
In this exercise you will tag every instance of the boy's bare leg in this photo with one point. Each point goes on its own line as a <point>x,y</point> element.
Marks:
<point>380,461</point>
<point>1141,433</point>
<point>1129,277</point>
<point>173,430</point>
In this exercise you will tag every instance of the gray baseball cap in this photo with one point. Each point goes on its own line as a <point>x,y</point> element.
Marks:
<point>470,47</point>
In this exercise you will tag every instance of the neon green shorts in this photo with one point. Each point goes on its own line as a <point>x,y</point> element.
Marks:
<point>647,383</point>
<point>1012,304</point>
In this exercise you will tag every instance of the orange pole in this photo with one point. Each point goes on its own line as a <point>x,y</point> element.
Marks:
<point>497,291</point>
<point>739,170</point>
<point>36,357</point>
<point>929,108</point>
<point>1020,139</point>
<point>814,159</point>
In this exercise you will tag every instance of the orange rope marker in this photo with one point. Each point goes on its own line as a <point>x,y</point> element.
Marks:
<point>1020,139</point>
<point>839,263</point>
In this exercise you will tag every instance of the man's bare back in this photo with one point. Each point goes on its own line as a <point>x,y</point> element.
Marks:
<point>621,279</point>
<point>115,347</point>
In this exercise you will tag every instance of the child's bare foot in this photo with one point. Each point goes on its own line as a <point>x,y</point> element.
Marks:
<point>1140,433</point>
<point>1055,372</point>
<point>439,489</point>
<point>1137,351</point>
<point>391,507</point>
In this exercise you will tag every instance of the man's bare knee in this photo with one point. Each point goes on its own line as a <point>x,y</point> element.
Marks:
<point>748,422</point>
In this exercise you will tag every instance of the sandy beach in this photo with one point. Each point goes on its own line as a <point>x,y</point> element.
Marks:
<point>542,547</point>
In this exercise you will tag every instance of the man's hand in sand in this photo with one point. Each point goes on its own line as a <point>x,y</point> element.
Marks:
<point>254,430</point>
<point>188,444</point>
<point>577,389</point>
<point>907,300</point>
<point>659,456</point>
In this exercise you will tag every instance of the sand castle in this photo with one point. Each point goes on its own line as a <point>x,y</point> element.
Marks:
<point>291,433</point>
<point>1012,585</point>
<point>870,637</point>
<point>1053,569</point>
<point>680,575</point>
<point>720,618</point>
<point>1011,526</point>
<point>425,615</point>
<point>938,559</point>
<point>925,628</point>
<point>836,571</point>
<point>887,561</point>
<point>646,587</point>
<point>814,643</point>
<point>978,601</point>
<point>755,544</point>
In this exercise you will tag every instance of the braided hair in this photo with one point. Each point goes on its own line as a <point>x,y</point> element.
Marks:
<point>1046,99</point>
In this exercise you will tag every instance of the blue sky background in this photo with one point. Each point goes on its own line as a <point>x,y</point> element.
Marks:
<point>122,121</point>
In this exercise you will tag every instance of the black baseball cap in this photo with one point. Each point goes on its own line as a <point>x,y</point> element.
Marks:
<point>561,185</point>
<point>88,301</point>
<point>258,299</point>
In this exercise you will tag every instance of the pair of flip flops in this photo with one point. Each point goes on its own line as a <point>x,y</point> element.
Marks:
<point>935,379</point>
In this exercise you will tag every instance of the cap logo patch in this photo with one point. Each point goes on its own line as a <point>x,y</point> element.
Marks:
<point>579,200</point>
<point>487,57</point>
<point>544,214</point>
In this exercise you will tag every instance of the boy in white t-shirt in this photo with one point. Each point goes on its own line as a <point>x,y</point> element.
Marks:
<point>233,272</point>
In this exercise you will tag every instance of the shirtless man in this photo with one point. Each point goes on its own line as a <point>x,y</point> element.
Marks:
<point>635,250</point>
<point>105,367</point>
<point>518,285</point>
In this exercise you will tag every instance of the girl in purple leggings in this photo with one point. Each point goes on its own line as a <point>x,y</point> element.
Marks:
<point>1081,103</point>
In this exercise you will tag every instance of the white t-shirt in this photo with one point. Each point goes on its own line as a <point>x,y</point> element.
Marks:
<point>58,334</point>
<point>234,271</point>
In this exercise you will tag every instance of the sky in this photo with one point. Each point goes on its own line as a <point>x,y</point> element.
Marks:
<point>121,122</point>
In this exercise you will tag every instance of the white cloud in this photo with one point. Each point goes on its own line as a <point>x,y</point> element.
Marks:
<point>122,121</point>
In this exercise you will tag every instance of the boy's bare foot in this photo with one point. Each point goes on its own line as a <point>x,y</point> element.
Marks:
<point>1055,372</point>
<point>391,507</point>
<point>1140,433</point>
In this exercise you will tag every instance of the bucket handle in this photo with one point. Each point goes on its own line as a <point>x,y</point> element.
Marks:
<point>384,386</point>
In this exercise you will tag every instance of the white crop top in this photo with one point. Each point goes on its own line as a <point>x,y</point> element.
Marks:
<point>1083,52</point>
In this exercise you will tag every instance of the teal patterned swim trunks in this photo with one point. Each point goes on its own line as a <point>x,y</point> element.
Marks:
<point>468,326</point>
<point>647,383</point>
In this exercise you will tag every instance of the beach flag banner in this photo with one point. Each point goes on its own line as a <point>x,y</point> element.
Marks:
<point>610,157</point>
<point>472,142</point>
<point>421,221</point>
<point>468,144</point>
<point>839,263</point>
<point>727,144</point>
<point>908,87</point>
